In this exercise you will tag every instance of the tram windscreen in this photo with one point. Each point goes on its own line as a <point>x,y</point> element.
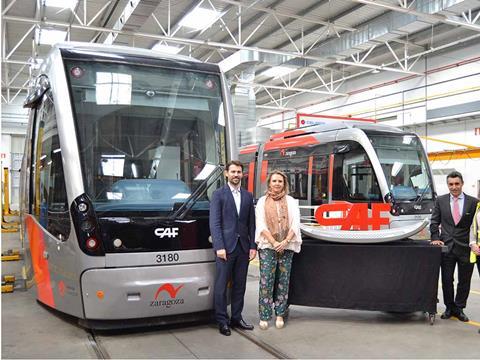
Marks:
<point>404,164</point>
<point>149,136</point>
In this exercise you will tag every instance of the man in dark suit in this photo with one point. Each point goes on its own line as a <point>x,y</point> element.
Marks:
<point>232,226</point>
<point>450,226</point>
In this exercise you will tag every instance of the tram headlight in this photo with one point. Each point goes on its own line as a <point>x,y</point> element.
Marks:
<point>92,243</point>
<point>82,207</point>
<point>117,243</point>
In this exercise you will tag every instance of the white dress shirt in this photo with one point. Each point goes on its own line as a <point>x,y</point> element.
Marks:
<point>236,196</point>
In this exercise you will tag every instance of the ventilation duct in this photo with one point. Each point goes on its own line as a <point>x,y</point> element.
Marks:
<point>240,69</point>
<point>383,28</point>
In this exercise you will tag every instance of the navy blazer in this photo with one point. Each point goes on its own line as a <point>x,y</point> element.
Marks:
<point>448,232</point>
<point>226,226</point>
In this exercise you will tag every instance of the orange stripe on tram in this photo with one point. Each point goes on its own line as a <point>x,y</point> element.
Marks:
<point>251,175</point>
<point>290,142</point>
<point>263,176</point>
<point>39,263</point>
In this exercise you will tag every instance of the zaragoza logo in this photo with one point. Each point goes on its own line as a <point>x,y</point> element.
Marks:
<point>170,290</point>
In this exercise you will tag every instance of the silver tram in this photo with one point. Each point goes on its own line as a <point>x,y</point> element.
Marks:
<point>354,162</point>
<point>123,151</point>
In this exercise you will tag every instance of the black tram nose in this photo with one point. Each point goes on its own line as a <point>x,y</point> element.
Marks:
<point>86,226</point>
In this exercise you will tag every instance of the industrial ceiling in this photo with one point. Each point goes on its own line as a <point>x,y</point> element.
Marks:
<point>321,43</point>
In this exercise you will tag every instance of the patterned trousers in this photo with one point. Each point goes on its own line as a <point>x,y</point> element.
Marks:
<point>274,281</point>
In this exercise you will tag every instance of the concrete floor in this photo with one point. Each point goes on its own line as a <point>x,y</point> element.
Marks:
<point>29,330</point>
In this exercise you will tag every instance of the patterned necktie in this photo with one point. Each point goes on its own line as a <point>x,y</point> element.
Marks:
<point>456,210</point>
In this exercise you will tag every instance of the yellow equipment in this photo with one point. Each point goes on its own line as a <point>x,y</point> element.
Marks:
<point>6,211</point>
<point>8,283</point>
<point>11,255</point>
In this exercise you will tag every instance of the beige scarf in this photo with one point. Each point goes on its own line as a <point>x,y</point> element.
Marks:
<point>277,217</point>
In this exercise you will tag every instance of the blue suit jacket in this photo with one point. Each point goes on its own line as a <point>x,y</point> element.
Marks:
<point>226,226</point>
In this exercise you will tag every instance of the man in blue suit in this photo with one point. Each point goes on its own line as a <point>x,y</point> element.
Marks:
<point>232,226</point>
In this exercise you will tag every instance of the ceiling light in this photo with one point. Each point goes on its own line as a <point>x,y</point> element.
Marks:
<point>278,71</point>
<point>49,37</point>
<point>61,3</point>
<point>165,48</point>
<point>200,18</point>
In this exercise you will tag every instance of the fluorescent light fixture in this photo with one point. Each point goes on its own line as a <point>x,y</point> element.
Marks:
<point>113,89</point>
<point>112,156</point>
<point>407,139</point>
<point>49,36</point>
<point>278,71</point>
<point>113,167</point>
<point>61,3</point>
<point>206,171</point>
<point>165,48</point>
<point>114,195</point>
<point>181,196</point>
<point>397,166</point>
<point>200,18</point>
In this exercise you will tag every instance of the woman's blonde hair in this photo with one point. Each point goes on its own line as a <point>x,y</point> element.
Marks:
<point>285,180</point>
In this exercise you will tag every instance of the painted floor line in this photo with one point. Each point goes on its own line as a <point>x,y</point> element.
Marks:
<point>471,322</point>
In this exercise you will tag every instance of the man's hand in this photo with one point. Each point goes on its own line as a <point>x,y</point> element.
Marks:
<point>437,242</point>
<point>222,254</point>
<point>252,254</point>
<point>476,249</point>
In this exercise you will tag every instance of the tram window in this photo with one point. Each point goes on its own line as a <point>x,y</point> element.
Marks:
<point>319,180</point>
<point>168,128</point>
<point>296,169</point>
<point>51,204</point>
<point>354,179</point>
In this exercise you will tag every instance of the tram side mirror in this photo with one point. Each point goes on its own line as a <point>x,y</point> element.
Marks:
<point>36,93</point>
<point>388,198</point>
<point>342,149</point>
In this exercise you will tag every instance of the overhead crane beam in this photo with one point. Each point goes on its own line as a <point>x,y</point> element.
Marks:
<point>454,154</point>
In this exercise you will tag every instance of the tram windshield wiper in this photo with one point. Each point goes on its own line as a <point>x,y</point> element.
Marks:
<point>199,191</point>
<point>420,197</point>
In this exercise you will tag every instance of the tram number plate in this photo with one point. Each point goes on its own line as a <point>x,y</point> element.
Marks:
<point>167,258</point>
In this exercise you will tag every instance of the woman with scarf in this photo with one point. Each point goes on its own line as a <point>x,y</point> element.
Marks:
<point>277,236</point>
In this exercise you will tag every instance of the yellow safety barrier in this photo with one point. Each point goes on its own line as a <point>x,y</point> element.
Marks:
<point>9,278</point>
<point>6,211</point>
<point>11,255</point>
<point>7,288</point>
<point>8,283</point>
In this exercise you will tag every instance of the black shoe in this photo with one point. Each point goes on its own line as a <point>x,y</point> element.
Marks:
<point>241,325</point>
<point>447,314</point>
<point>224,330</point>
<point>461,316</point>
